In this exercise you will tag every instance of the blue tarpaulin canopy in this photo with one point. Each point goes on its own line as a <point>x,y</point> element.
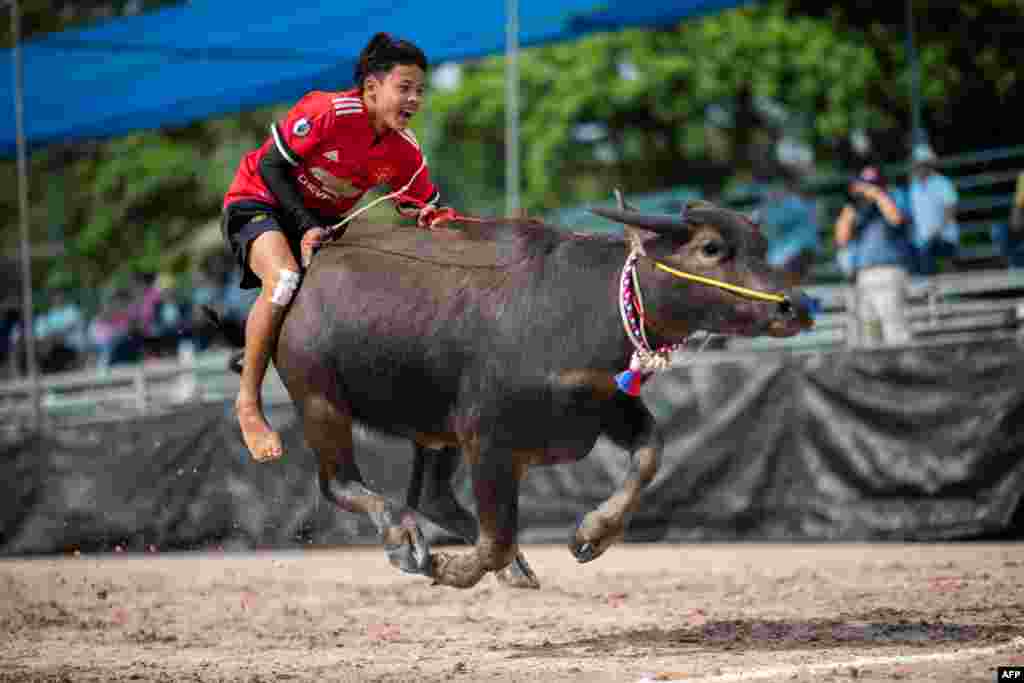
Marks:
<point>207,58</point>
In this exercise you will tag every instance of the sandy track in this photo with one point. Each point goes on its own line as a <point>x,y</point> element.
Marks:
<point>664,612</point>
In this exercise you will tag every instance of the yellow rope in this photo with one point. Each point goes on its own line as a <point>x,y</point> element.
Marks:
<point>743,291</point>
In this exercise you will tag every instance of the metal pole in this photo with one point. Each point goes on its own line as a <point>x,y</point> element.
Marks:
<point>512,107</point>
<point>917,131</point>
<point>28,330</point>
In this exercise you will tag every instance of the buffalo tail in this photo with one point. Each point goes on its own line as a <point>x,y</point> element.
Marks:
<point>232,332</point>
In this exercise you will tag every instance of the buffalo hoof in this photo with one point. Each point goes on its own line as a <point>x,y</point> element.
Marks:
<point>594,534</point>
<point>518,574</point>
<point>583,552</point>
<point>410,552</point>
<point>457,571</point>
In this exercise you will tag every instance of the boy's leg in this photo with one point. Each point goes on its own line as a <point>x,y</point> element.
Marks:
<point>272,260</point>
<point>260,334</point>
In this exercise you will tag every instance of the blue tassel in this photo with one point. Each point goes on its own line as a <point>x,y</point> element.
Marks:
<point>813,305</point>
<point>630,382</point>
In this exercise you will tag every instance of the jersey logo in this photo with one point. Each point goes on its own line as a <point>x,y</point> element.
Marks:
<point>332,155</point>
<point>383,175</point>
<point>332,184</point>
<point>347,105</point>
<point>301,128</point>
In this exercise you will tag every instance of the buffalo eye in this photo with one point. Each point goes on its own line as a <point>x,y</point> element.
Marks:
<point>712,250</point>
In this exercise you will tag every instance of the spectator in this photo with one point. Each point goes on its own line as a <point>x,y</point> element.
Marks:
<point>789,221</point>
<point>205,291</point>
<point>161,315</point>
<point>59,336</point>
<point>873,227</point>
<point>115,332</point>
<point>933,199</point>
<point>63,323</point>
<point>1009,239</point>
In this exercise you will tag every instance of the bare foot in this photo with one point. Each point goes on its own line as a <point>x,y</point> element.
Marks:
<point>264,443</point>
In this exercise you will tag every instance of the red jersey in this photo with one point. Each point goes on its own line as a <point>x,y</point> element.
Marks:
<point>335,156</point>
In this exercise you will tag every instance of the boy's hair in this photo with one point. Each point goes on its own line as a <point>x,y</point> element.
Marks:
<point>383,53</point>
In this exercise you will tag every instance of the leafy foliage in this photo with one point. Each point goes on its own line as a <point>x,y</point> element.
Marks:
<point>702,104</point>
<point>698,104</point>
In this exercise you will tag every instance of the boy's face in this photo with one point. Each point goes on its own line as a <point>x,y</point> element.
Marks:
<point>396,98</point>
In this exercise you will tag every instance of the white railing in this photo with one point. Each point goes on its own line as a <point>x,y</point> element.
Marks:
<point>941,309</point>
<point>147,388</point>
<point>938,315</point>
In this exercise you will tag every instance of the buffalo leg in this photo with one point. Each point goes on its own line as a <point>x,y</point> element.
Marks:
<point>631,426</point>
<point>430,493</point>
<point>496,487</point>
<point>327,424</point>
<point>435,498</point>
<point>412,492</point>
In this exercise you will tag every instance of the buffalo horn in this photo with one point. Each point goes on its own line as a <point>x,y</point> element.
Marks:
<point>654,222</point>
<point>621,201</point>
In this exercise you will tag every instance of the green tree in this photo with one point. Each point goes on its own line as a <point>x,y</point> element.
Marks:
<point>700,104</point>
<point>704,103</point>
<point>971,59</point>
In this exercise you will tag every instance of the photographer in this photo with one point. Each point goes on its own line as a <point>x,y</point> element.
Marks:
<point>873,227</point>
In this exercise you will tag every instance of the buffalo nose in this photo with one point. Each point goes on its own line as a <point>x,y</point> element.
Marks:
<point>786,308</point>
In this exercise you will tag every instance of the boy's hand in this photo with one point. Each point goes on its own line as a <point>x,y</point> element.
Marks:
<point>311,241</point>
<point>433,216</point>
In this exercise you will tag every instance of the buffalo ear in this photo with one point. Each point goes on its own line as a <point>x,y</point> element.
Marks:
<point>621,202</point>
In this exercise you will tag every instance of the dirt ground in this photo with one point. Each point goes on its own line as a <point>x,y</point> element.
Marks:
<point>716,612</point>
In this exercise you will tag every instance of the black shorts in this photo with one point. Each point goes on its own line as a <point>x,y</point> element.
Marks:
<point>243,222</point>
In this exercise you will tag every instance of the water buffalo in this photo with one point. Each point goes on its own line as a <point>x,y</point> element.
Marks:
<point>518,344</point>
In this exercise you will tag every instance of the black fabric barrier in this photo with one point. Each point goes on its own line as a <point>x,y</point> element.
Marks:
<point>907,445</point>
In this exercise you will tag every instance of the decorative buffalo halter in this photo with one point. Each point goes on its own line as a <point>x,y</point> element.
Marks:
<point>646,360</point>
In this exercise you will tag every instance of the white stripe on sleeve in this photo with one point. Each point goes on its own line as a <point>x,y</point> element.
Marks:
<point>281,146</point>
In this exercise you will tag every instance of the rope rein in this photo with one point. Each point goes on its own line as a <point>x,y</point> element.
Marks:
<point>729,287</point>
<point>333,230</point>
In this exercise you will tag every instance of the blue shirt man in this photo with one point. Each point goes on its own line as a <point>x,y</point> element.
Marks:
<point>872,232</point>
<point>933,199</point>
